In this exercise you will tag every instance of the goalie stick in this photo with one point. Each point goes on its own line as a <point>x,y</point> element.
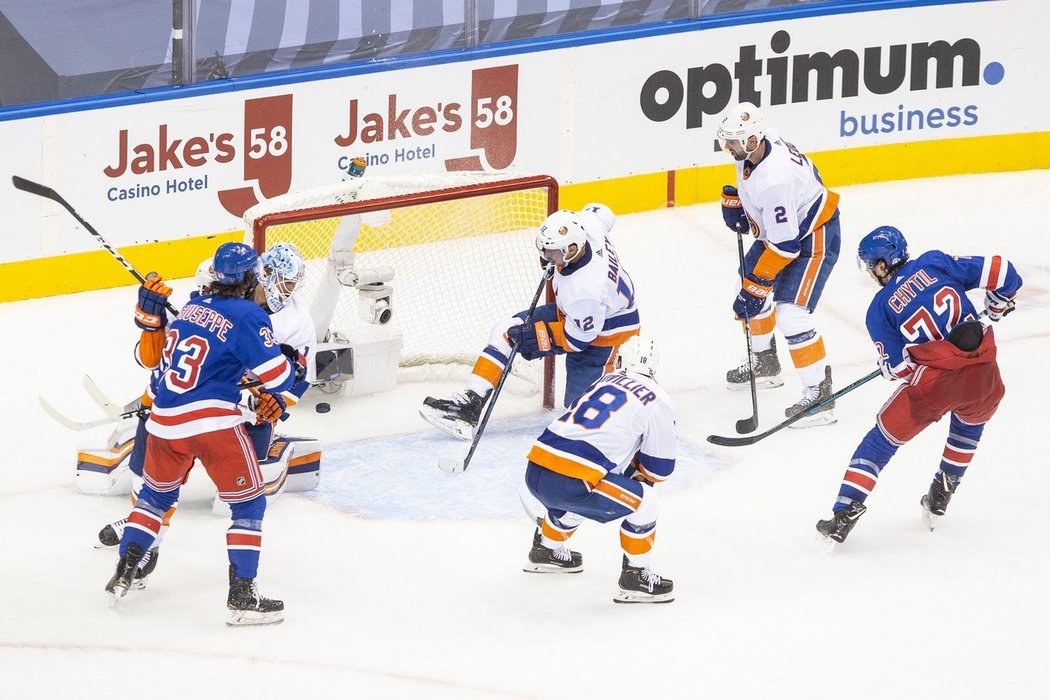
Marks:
<point>83,425</point>
<point>47,193</point>
<point>455,466</point>
<point>104,402</point>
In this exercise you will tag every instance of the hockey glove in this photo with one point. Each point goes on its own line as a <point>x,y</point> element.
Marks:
<point>536,340</point>
<point>297,359</point>
<point>733,211</point>
<point>270,408</point>
<point>887,371</point>
<point>153,296</point>
<point>997,305</point>
<point>752,296</point>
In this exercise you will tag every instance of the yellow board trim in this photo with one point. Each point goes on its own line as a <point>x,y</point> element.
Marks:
<point>79,272</point>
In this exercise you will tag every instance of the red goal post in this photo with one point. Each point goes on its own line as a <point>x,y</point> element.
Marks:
<point>461,247</point>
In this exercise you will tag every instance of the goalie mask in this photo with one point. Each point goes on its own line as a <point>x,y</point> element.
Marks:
<point>561,238</point>
<point>741,131</point>
<point>283,272</point>
<point>638,355</point>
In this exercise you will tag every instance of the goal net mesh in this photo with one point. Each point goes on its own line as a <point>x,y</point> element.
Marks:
<point>461,246</point>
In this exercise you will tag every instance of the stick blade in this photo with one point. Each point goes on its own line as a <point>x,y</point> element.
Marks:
<point>746,425</point>
<point>730,441</point>
<point>450,465</point>
<point>31,187</point>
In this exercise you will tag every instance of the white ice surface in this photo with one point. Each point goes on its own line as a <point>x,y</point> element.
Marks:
<point>404,582</point>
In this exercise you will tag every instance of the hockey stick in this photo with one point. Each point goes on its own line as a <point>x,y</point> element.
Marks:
<point>104,402</point>
<point>47,193</point>
<point>83,425</point>
<point>455,466</point>
<point>748,425</point>
<point>752,439</point>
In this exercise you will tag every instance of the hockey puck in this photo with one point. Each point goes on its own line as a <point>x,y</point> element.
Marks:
<point>323,408</point>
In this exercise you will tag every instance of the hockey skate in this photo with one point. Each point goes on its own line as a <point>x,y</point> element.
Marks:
<point>457,416</point>
<point>641,585</point>
<point>544,560</point>
<point>812,395</point>
<point>935,502</point>
<point>767,371</point>
<point>247,607</point>
<point>836,529</point>
<point>110,535</point>
<point>126,572</point>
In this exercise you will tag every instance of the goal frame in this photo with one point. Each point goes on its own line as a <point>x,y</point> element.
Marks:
<point>466,191</point>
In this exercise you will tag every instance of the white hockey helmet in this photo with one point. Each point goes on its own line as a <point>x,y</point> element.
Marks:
<point>205,276</point>
<point>639,355</point>
<point>602,213</point>
<point>283,271</point>
<point>740,124</point>
<point>558,234</point>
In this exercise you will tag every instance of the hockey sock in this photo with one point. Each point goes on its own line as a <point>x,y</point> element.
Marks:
<point>143,527</point>
<point>873,453</point>
<point>808,356</point>
<point>244,537</point>
<point>762,327</point>
<point>638,530</point>
<point>960,446</point>
<point>487,370</point>
<point>556,530</point>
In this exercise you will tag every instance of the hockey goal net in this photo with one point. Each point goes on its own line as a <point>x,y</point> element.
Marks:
<point>461,247</point>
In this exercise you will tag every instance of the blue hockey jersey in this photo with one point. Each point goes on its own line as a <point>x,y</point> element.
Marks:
<point>927,298</point>
<point>207,349</point>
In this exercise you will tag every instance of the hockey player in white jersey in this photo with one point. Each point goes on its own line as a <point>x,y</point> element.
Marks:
<point>780,198</point>
<point>593,313</point>
<point>601,461</point>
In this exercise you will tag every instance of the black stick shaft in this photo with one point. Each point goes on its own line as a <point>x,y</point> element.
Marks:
<point>748,425</point>
<point>47,193</point>
<point>506,369</point>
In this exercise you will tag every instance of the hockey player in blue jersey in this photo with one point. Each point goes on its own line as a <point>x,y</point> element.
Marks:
<point>195,416</point>
<point>601,461</point>
<point>283,270</point>
<point>925,331</point>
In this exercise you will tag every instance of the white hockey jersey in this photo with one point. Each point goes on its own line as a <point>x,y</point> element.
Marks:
<point>784,196</point>
<point>625,419</point>
<point>595,295</point>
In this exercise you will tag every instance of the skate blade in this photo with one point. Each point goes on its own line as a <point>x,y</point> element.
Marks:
<point>930,519</point>
<point>456,428</point>
<point>531,568</point>
<point>822,418</point>
<point>826,545</point>
<point>249,618</point>
<point>760,383</point>
<point>117,594</point>
<point>629,597</point>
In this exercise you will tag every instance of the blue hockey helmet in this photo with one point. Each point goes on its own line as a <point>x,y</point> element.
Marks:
<point>885,243</point>
<point>232,261</point>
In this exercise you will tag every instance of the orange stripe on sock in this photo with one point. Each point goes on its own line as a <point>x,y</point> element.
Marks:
<point>488,370</point>
<point>808,354</point>
<point>762,325</point>
<point>166,519</point>
<point>556,535</point>
<point>637,545</point>
<point>809,277</point>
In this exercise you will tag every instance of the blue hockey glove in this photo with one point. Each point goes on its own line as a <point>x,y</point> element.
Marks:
<point>538,339</point>
<point>153,295</point>
<point>733,210</point>
<point>752,296</point>
<point>997,305</point>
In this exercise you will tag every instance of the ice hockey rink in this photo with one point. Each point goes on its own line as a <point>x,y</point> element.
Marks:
<point>401,581</point>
